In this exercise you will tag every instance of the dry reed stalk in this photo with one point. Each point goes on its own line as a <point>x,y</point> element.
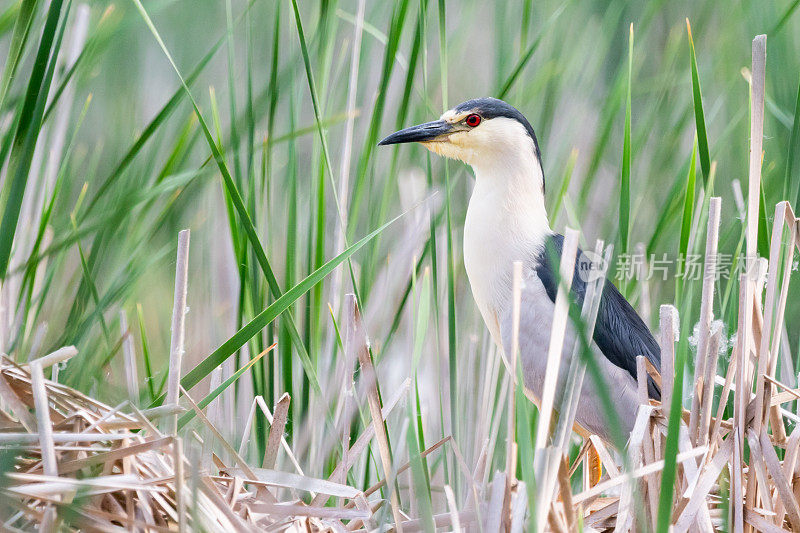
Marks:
<point>363,441</point>
<point>709,476</point>
<point>784,215</point>
<point>546,463</point>
<point>637,473</point>
<point>180,503</point>
<point>668,320</point>
<point>178,326</point>
<point>758,75</point>
<point>577,370</point>
<point>516,298</point>
<point>520,508</point>
<point>43,422</point>
<point>494,513</point>
<point>651,485</point>
<point>281,414</point>
<point>373,399</point>
<point>129,356</point>
<point>61,355</point>
<point>203,418</point>
<point>626,513</point>
<point>702,389</point>
<point>557,332</point>
<point>742,392</point>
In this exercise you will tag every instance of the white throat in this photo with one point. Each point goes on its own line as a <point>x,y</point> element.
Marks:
<point>506,222</point>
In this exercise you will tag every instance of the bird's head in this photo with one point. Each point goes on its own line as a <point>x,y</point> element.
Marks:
<point>484,132</point>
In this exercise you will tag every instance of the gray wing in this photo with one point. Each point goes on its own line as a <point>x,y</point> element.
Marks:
<point>619,332</point>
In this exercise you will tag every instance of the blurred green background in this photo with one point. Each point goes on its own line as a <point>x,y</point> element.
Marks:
<point>119,164</point>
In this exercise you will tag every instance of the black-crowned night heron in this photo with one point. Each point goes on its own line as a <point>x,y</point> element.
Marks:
<point>506,222</point>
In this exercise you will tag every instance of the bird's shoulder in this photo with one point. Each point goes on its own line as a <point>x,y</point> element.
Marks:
<point>619,332</point>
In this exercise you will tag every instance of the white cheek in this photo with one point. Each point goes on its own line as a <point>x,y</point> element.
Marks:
<point>457,146</point>
<point>465,144</point>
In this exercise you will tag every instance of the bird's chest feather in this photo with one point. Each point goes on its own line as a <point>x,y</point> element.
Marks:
<point>497,232</point>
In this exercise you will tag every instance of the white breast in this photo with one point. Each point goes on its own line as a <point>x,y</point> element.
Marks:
<point>500,228</point>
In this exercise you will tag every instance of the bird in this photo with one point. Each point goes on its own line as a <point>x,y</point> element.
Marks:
<point>506,221</point>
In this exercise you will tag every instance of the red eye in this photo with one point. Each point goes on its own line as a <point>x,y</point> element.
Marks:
<point>473,120</point>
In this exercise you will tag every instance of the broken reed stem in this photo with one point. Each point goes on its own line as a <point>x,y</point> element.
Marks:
<point>741,394</point>
<point>178,326</point>
<point>668,322</point>
<point>49,465</point>
<point>773,317</point>
<point>708,383</point>
<point>373,399</point>
<point>64,353</point>
<point>757,82</point>
<point>757,86</point>
<point>278,424</point>
<point>706,316</point>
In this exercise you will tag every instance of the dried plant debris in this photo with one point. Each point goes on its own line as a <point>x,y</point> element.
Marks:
<point>116,471</point>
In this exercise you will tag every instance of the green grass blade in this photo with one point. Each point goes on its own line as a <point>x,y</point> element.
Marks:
<point>625,177</point>
<point>154,125</point>
<point>260,321</point>
<point>699,116</point>
<point>234,131</point>
<point>671,448</point>
<point>452,348</point>
<point>371,139</point>
<point>686,221</point>
<point>202,404</point>
<point>763,226</point>
<point>785,17</point>
<point>90,282</point>
<point>558,201</point>
<point>22,25</point>
<point>236,198</point>
<point>27,132</point>
<point>148,367</point>
<point>290,266</point>
<point>8,17</point>
<point>509,82</point>
<point>792,167</point>
<point>419,476</point>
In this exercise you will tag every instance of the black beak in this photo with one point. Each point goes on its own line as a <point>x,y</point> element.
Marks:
<point>421,133</point>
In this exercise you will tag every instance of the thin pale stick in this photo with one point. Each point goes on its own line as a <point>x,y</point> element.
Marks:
<point>706,315</point>
<point>557,332</point>
<point>178,326</point>
<point>669,322</point>
<point>49,463</point>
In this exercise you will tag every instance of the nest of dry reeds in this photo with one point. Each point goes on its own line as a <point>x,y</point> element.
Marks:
<point>94,467</point>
